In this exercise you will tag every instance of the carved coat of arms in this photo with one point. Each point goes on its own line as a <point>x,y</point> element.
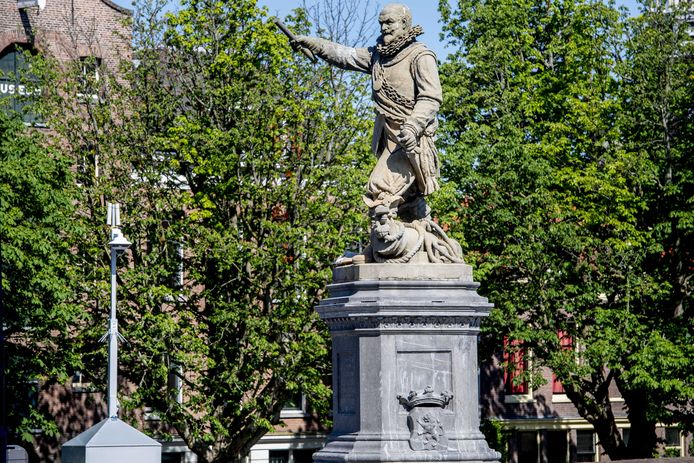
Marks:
<point>423,420</point>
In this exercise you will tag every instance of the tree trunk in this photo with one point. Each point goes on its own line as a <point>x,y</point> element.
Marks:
<point>593,403</point>
<point>642,437</point>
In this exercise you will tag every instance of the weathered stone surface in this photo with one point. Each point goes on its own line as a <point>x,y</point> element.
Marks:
<point>405,364</point>
<point>407,94</point>
<point>420,272</point>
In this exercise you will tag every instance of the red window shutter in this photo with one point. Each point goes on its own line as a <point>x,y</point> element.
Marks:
<point>566,343</point>
<point>515,364</point>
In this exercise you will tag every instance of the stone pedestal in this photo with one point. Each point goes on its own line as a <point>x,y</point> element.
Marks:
<point>405,364</point>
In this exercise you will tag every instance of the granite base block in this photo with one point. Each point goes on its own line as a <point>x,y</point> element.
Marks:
<point>405,364</point>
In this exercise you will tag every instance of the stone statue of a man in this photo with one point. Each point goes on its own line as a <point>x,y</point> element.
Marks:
<point>407,93</point>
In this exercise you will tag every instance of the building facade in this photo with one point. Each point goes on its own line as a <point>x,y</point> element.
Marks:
<point>541,425</point>
<point>94,32</point>
<point>97,35</point>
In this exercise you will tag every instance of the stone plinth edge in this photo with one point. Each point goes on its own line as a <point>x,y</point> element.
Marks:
<point>402,272</point>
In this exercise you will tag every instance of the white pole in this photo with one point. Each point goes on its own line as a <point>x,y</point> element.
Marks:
<point>118,244</point>
<point>113,344</point>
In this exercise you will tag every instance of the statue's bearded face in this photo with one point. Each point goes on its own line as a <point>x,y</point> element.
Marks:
<point>393,25</point>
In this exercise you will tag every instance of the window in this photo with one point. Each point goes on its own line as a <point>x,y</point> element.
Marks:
<point>32,392</point>
<point>295,407</point>
<point>18,87</point>
<point>673,442</point>
<point>172,271</point>
<point>556,446</point>
<point>303,455</point>
<point>150,414</point>
<point>279,456</point>
<point>291,456</point>
<point>566,343</point>
<point>527,450</point>
<point>89,77</point>
<point>557,387</point>
<point>585,446</point>
<point>175,383</point>
<point>172,457</point>
<point>80,384</point>
<point>542,446</point>
<point>174,388</point>
<point>177,277</point>
<point>515,366</point>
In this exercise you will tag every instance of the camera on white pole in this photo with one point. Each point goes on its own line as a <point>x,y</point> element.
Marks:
<point>112,440</point>
<point>119,244</point>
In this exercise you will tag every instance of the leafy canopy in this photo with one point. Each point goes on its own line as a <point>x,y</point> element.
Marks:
<point>240,167</point>
<point>560,168</point>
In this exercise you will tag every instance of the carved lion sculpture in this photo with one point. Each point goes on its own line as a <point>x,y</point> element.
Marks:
<point>422,240</point>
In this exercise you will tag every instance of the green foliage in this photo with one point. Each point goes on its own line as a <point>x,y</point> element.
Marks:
<point>239,166</point>
<point>563,196</point>
<point>496,436</point>
<point>38,271</point>
<point>659,88</point>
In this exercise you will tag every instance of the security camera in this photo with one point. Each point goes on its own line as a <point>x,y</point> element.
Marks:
<point>119,243</point>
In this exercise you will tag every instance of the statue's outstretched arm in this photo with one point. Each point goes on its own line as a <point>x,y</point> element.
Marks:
<point>353,59</point>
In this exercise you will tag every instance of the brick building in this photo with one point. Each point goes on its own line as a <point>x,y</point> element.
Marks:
<point>542,425</point>
<point>96,32</point>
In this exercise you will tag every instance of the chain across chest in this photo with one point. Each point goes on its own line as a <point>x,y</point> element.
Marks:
<point>383,86</point>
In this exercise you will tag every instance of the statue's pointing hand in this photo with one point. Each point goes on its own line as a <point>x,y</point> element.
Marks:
<point>303,41</point>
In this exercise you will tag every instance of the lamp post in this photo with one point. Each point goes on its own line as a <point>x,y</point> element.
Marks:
<point>112,440</point>
<point>119,244</point>
<point>3,401</point>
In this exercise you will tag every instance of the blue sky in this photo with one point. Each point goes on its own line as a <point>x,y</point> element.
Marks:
<point>424,13</point>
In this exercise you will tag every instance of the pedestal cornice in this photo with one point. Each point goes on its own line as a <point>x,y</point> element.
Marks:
<point>439,297</point>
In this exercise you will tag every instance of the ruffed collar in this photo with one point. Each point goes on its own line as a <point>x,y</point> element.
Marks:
<point>394,48</point>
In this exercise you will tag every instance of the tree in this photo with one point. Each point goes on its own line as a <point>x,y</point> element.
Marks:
<point>658,91</point>
<point>39,273</point>
<point>239,166</point>
<point>550,195</point>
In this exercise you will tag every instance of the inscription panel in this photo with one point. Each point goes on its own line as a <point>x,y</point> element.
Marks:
<point>418,370</point>
<point>347,385</point>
